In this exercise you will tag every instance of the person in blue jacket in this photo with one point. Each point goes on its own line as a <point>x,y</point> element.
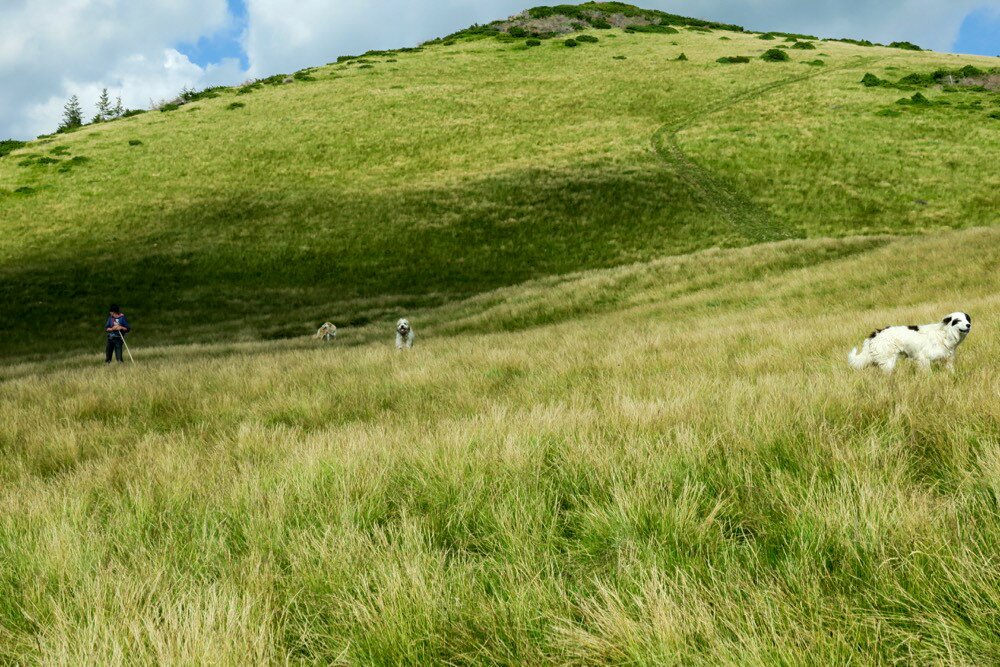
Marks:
<point>117,327</point>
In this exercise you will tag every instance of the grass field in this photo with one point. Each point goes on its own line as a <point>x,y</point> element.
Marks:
<point>627,433</point>
<point>464,168</point>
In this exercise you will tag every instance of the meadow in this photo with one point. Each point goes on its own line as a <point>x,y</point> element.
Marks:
<point>385,184</point>
<point>627,433</point>
<point>684,472</point>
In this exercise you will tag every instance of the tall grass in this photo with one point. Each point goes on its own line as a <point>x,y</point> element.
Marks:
<point>689,473</point>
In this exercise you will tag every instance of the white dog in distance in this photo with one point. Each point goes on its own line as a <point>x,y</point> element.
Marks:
<point>327,332</point>
<point>404,334</point>
<point>925,344</point>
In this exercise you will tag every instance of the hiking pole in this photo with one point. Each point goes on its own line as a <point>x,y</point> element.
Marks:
<point>126,347</point>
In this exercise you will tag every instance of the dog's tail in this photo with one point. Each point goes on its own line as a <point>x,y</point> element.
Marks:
<point>859,360</point>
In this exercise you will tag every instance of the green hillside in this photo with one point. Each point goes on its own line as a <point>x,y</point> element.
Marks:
<point>627,433</point>
<point>402,180</point>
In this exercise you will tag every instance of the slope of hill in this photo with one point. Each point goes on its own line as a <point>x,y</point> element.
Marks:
<point>627,433</point>
<point>409,179</point>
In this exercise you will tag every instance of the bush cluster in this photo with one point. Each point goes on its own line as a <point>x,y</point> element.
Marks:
<point>8,146</point>
<point>571,43</point>
<point>733,59</point>
<point>775,56</point>
<point>588,39</point>
<point>804,45</point>
<point>657,29</point>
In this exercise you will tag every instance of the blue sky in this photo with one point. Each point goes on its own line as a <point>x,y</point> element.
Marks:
<point>225,43</point>
<point>147,51</point>
<point>980,33</point>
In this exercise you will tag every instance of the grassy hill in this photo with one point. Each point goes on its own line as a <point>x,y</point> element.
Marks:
<point>627,433</point>
<point>388,183</point>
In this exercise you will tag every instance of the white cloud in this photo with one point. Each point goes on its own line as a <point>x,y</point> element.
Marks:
<point>933,24</point>
<point>282,36</point>
<point>51,49</point>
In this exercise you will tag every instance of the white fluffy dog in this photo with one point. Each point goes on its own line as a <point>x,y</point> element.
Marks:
<point>404,334</point>
<point>925,344</point>
<point>327,332</point>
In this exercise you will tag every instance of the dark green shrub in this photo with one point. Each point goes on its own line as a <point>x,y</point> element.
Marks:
<point>815,63</point>
<point>588,39</point>
<point>908,46</point>
<point>366,66</point>
<point>732,60</point>
<point>869,80</point>
<point>235,105</point>
<point>619,58</point>
<point>59,150</point>
<point>8,146</point>
<point>775,56</point>
<point>725,39</point>
<point>46,160</point>
<point>207,94</point>
<point>681,57</point>
<point>25,190</point>
<point>600,24</point>
<point>169,107</point>
<point>657,29</point>
<point>133,112</point>
<point>767,36</point>
<point>571,43</point>
<point>809,46</point>
<point>995,115</point>
<point>856,42</point>
<point>919,79</point>
<point>533,42</point>
<point>917,99</point>
<point>134,142</point>
<point>69,164</point>
<point>517,32</point>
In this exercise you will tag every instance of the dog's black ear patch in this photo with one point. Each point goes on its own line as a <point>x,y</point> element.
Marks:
<point>876,332</point>
<point>968,317</point>
<point>947,320</point>
<point>913,327</point>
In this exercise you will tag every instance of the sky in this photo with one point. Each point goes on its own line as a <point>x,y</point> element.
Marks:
<point>148,51</point>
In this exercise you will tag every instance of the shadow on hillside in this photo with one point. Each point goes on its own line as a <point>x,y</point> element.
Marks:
<point>270,265</point>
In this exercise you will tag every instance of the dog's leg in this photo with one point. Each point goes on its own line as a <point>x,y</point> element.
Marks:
<point>949,363</point>
<point>924,363</point>
<point>888,365</point>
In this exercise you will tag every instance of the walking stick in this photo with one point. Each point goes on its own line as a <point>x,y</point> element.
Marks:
<point>126,347</point>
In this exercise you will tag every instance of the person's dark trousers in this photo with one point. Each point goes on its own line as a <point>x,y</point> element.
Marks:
<point>114,347</point>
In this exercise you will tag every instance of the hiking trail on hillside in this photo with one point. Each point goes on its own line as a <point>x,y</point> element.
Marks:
<point>747,217</point>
